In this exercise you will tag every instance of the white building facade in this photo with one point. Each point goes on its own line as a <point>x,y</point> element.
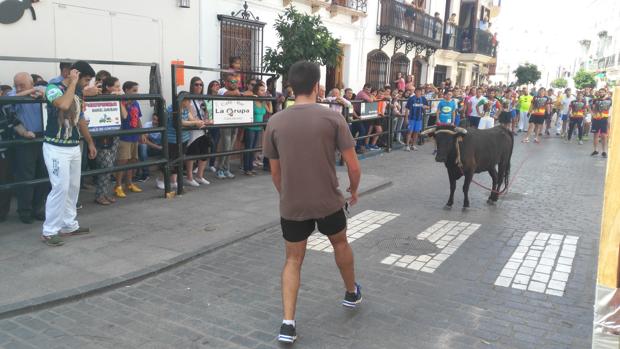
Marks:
<point>379,37</point>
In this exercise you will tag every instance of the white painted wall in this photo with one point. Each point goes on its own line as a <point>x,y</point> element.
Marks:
<point>136,30</point>
<point>340,26</point>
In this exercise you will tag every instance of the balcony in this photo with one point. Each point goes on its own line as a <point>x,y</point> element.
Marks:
<point>474,45</point>
<point>408,23</point>
<point>354,8</point>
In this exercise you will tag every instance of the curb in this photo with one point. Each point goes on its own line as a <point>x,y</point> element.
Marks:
<point>74,294</point>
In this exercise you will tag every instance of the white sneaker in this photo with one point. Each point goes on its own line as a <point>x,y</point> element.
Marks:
<point>407,148</point>
<point>229,175</point>
<point>213,169</point>
<point>192,183</point>
<point>160,184</point>
<point>202,180</point>
<point>195,171</point>
<point>174,185</point>
<point>414,148</point>
<point>580,142</point>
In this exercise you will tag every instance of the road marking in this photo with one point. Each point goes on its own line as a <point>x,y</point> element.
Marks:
<point>357,227</point>
<point>541,263</point>
<point>447,236</point>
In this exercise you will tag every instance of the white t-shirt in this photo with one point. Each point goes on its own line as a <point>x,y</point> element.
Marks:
<point>198,114</point>
<point>473,103</point>
<point>566,101</point>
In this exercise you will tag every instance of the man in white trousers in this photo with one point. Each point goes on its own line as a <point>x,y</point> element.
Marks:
<point>61,150</point>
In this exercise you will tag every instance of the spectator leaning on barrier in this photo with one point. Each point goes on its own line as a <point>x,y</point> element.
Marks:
<point>5,89</point>
<point>399,118</point>
<point>187,120</point>
<point>128,145</point>
<point>261,108</point>
<point>227,135</point>
<point>29,163</point>
<point>61,151</point>
<point>200,141</point>
<point>107,148</point>
<point>358,129</point>
<point>212,90</point>
<point>338,102</point>
<point>9,126</point>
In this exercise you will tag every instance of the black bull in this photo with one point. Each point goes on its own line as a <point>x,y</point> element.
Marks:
<point>469,151</point>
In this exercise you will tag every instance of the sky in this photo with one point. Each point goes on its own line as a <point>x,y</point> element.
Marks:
<point>543,32</point>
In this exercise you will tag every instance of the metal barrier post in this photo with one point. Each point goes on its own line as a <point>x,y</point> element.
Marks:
<point>390,130</point>
<point>178,125</point>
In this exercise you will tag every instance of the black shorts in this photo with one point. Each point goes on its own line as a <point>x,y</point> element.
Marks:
<point>505,117</point>
<point>537,119</point>
<point>599,126</point>
<point>296,231</point>
<point>200,145</point>
<point>474,121</point>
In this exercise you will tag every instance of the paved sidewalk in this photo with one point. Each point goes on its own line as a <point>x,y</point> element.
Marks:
<point>138,235</point>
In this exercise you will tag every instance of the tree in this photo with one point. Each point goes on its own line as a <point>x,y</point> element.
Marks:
<point>559,83</point>
<point>301,37</point>
<point>584,79</point>
<point>527,74</point>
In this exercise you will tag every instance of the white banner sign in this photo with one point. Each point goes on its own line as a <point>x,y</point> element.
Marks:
<point>103,115</point>
<point>233,112</point>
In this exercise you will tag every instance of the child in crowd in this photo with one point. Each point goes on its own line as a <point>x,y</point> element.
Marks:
<point>107,147</point>
<point>128,146</point>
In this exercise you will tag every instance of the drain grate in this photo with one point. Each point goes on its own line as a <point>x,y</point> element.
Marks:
<point>407,246</point>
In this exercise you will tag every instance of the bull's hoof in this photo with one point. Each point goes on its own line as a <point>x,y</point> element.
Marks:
<point>466,205</point>
<point>447,207</point>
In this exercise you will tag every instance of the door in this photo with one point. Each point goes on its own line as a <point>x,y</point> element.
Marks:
<point>334,75</point>
<point>440,74</point>
<point>416,70</point>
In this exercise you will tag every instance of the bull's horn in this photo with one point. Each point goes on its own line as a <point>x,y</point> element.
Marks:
<point>428,130</point>
<point>460,130</point>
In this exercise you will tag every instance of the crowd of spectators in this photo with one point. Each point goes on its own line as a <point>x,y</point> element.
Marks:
<point>401,100</point>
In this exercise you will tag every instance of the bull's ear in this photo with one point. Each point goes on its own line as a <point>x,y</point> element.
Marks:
<point>429,132</point>
<point>460,130</point>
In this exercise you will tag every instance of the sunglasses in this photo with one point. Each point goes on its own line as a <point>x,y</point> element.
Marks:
<point>233,81</point>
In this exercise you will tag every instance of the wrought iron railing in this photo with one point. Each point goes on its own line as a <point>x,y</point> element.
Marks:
<point>405,21</point>
<point>451,37</point>
<point>358,5</point>
<point>476,41</point>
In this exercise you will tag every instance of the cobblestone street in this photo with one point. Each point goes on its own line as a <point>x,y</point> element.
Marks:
<point>520,274</point>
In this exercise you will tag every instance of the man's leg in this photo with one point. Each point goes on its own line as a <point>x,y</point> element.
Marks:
<point>604,143</point>
<point>25,170</point>
<point>57,160</point>
<point>5,195</point>
<point>291,275</point>
<point>595,142</point>
<point>70,223</point>
<point>344,259</point>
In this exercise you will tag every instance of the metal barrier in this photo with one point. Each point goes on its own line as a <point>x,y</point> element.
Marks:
<point>159,107</point>
<point>177,121</point>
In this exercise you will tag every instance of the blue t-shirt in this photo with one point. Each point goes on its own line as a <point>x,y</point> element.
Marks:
<point>134,113</point>
<point>29,114</point>
<point>62,126</point>
<point>172,131</point>
<point>416,107</point>
<point>446,108</point>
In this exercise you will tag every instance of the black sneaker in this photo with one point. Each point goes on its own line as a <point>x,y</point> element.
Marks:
<point>604,154</point>
<point>351,300</point>
<point>78,231</point>
<point>595,153</point>
<point>287,334</point>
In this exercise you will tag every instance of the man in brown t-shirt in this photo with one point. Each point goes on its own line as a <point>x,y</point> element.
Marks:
<point>301,142</point>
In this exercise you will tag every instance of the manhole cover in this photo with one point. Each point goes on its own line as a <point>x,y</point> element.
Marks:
<point>407,245</point>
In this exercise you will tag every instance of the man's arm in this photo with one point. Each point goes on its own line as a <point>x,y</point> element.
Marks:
<point>232,93</point>
<point>276,174</point>
<point>92,150</point>
<point>355,172</point>
<point>65,101</point>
